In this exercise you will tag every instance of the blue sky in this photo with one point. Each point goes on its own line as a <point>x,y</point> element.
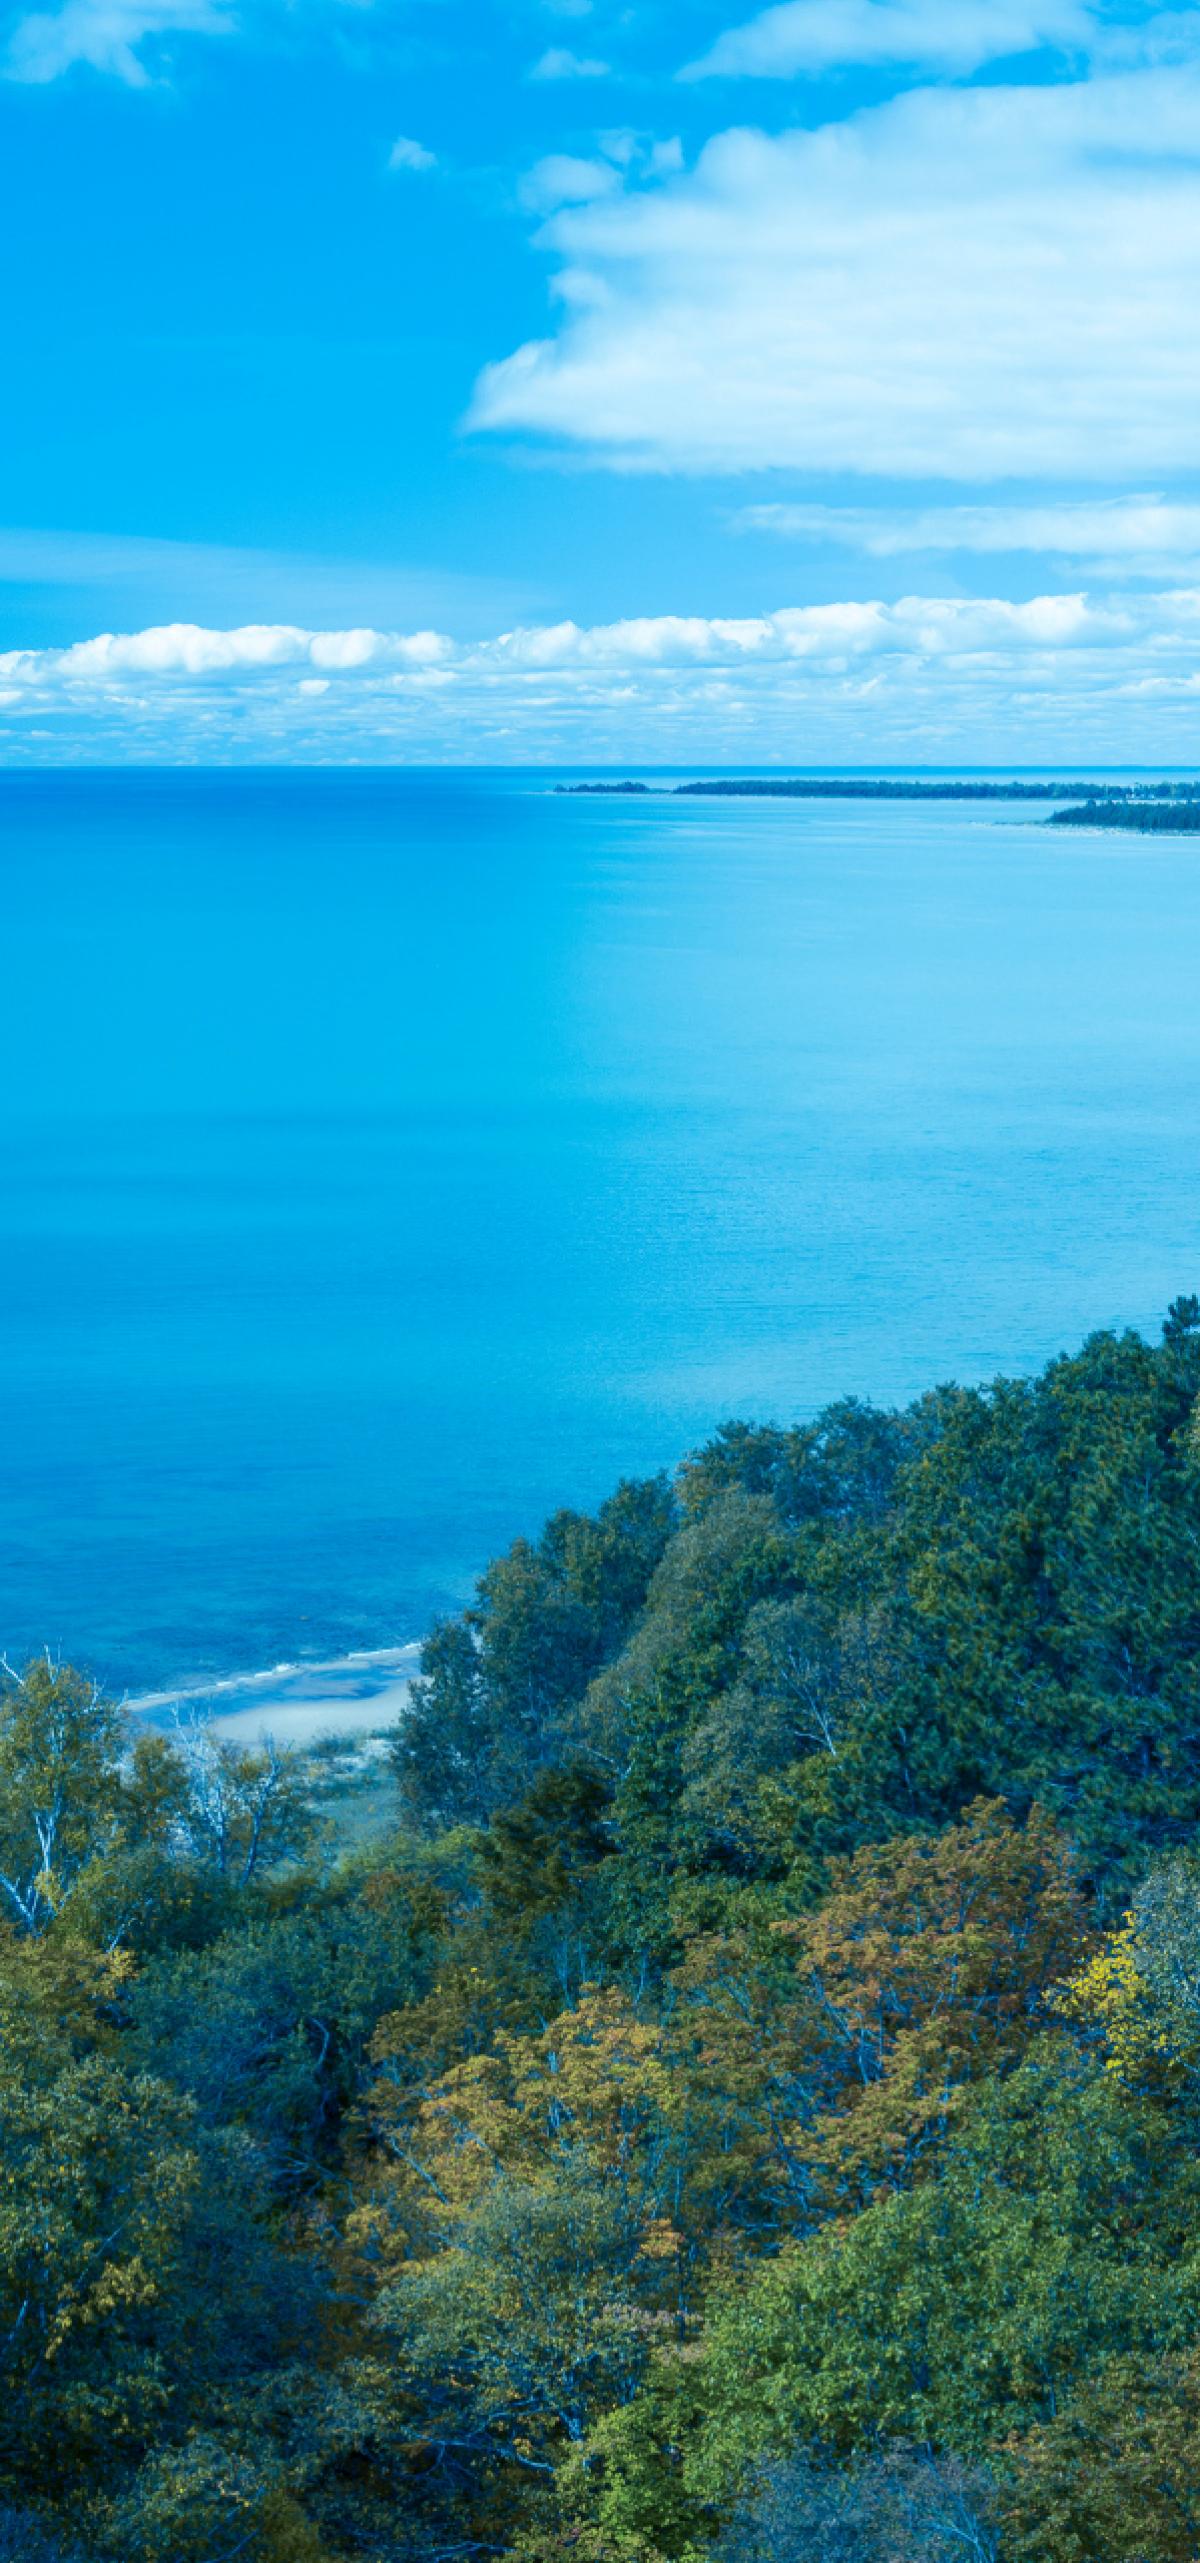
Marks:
<point>573,380</point>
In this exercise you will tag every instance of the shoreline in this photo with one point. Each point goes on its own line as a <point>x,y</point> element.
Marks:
<point>1180,792</point>
<point>295,1703</point>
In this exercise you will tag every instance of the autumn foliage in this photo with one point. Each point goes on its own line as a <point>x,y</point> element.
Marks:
<point>748,2108</point>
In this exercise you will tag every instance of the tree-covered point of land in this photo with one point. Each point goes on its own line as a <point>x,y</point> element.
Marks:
<point>747,2104</point>
<point>1102,796</point>
<point>1176,818</point>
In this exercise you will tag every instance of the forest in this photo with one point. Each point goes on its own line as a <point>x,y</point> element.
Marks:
<point>747,2105</point>
<point>1181,817</point>
<point>1102,798</point>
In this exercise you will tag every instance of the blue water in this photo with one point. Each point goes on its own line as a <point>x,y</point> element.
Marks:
<point>388,1157</point>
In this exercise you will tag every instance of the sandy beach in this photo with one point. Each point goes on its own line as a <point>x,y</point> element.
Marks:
<point>356,1694</point>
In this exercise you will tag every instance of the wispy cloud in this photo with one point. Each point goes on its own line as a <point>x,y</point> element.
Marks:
<point>961,284</point>
<point>1151,535</point>
<point>1069,673</point>
<point>407,154</point>
<point>643,152</point>
<point>559,63</point>
<point>143,575</point>
<point>927,35</point>
<point>108,35</point>
<point>561,179</point>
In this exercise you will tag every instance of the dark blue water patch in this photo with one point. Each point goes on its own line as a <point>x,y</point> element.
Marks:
<point>385,1158</point>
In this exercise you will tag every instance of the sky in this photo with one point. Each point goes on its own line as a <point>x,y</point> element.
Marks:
<point>597,381</point>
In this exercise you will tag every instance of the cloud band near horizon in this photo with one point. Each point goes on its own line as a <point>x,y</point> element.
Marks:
<point>920,677</point>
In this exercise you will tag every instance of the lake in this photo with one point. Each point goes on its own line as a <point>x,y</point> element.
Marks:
<point>391,1156</point>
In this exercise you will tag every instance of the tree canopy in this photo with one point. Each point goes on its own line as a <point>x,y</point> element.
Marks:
<point>746,2107</point>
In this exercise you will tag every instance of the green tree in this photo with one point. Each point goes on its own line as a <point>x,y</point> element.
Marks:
<point>498,1687</point>
<point>1059,2234</point>
<point>1114,2473</point>
<point>442,1748</point>
<point>100,2176</point>
<point>60,1789</point>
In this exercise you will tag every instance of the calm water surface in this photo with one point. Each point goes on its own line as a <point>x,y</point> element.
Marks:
<point>389,1157</point>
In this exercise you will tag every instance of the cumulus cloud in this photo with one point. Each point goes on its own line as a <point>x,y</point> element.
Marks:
<point>925,624</point>
<point>927,35</point>
<point>108,35</point>
<point>190,649</point>
<point>822,633</point>
<point>1150,534</point>
<point>1065,674</point>
<point>559,63</point>
<point>960,284</point>
<point>407,154</point>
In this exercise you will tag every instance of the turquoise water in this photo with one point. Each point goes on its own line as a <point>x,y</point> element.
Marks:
<point>388,1157</point>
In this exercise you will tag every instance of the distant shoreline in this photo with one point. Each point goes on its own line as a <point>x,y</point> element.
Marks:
<point>1115,797</point>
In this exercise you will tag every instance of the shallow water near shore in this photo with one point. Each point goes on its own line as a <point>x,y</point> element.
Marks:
<point>389,1157</point>
<point>298,1704</point>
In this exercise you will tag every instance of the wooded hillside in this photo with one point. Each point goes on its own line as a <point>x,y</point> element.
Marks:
<point>750,2108</point>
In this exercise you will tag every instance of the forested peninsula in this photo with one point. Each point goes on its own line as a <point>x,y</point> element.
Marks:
<point>747,2104</point>
<point>1180,817</point>
<point>866,787</point>
<point>1163,806</point>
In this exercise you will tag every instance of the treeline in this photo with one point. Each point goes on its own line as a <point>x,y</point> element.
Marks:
<point>749,2111</point>
<point>1182,817</point>
<point>866,787</point>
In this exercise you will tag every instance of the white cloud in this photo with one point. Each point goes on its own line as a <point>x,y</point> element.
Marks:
<point>1150,534</point>
<point>562,180</point>
<point>107,35</point>
<point>927,35</point>
<point>190,649</point>
<point>1151,35</point>
<point>559,63</point>
<point>961,284</point>
<point>1062,675</point>
<point>407,154</point>
<point>824,634</point>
